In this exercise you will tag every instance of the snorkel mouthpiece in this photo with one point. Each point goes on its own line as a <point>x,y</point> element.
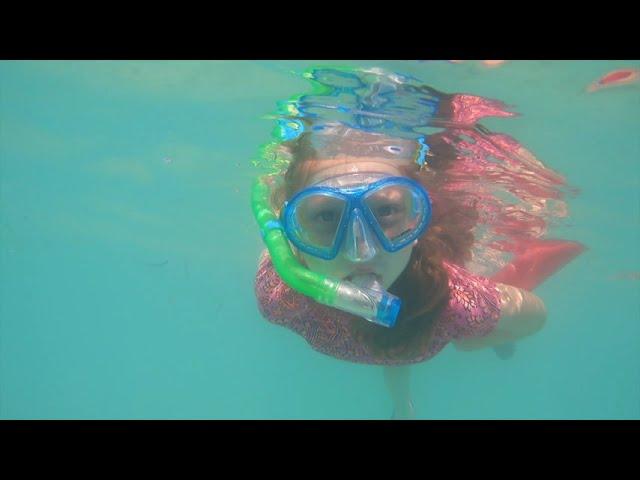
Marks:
<point>368,300</point>
<point>368,289</point>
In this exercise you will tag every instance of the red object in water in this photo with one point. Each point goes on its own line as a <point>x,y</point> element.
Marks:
<point>493,63</point>
<point>538,260</point>
<point>624,76</point>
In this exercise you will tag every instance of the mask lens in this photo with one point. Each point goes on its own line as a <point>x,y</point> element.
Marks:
<point>318,217</point>
<point>399,211</point>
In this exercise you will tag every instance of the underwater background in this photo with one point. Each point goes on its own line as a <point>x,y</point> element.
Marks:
<point>128,249</point>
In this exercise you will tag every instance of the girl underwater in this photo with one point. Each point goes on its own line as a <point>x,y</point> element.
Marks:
<point>399,224</point>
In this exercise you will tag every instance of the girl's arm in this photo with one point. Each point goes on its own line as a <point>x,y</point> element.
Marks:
<point>397,380</point>
<point>522,314</point>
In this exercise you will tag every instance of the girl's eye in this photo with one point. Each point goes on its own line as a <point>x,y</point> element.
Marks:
<point>387,210</point>
<point>326,216</point>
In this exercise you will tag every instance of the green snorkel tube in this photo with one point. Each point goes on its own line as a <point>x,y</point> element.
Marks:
<point>373,304</point>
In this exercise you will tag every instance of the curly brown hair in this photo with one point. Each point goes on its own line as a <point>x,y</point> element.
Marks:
<point>423,285</point>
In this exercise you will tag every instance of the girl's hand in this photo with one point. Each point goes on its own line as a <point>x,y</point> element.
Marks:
<point>505,351</point>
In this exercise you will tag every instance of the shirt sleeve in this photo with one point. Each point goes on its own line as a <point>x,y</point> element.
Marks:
<point>474,305</point>
<point>269,291</point>
<point>278,303</point>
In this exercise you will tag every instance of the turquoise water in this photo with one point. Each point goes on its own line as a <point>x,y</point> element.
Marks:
<point>128,250</point>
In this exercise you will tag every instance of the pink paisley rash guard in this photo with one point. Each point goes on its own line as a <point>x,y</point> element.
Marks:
<point>473,310</point>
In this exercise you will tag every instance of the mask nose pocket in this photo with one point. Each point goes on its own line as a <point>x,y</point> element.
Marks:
<point>359,240</point>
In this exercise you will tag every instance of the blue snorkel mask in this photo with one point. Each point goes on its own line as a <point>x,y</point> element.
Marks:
<point>357,213</point>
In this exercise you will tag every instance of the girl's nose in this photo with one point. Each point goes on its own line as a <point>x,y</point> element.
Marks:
<point>359,241</point>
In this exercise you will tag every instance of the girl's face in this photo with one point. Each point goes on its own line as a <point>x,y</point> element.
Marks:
<point>388,266</point>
